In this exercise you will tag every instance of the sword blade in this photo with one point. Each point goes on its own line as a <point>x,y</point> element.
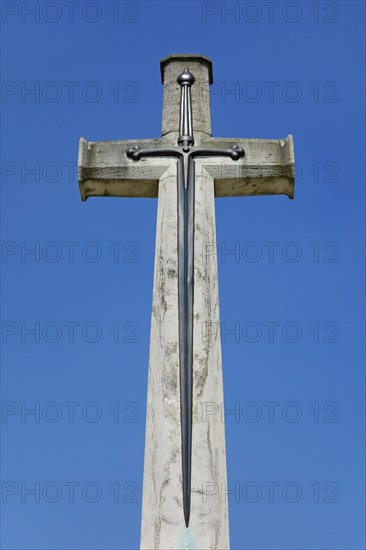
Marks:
<point>185,295</point>
<point>186,193</point>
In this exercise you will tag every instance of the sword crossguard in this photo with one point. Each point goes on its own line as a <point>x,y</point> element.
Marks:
<point>235,153</point>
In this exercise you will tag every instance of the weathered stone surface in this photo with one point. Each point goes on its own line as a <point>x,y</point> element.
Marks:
<point>209,513</point>
<point>268,167</point>
<point>105,171</point>
<point>162,511</point>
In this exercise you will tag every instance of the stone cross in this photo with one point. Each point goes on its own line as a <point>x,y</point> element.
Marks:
<point>185,449</point>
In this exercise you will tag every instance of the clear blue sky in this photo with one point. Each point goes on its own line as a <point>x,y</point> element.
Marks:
<point>296,445</point>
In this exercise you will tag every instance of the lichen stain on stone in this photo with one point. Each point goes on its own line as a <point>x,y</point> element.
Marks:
<point>169,382</point>
<point>209,446</point>
<point>161,287</point>
<point>187,540</point>
<point>200,375</point>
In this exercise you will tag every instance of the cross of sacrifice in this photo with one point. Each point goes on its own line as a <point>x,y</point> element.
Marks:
<point>185,455</point>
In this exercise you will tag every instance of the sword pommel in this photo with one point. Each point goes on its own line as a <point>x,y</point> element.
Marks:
<point>186,77</point>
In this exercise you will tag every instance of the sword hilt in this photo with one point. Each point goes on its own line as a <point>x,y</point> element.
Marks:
<point>185,80</point>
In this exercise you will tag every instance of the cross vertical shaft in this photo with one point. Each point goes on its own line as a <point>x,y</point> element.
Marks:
<point>198,438</point>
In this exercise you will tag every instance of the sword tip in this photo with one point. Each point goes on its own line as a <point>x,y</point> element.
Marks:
<point>187,510</point>
<point>186,518</point>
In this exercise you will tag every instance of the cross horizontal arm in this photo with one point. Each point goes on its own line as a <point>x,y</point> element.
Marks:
<point>104,169</point>
<point>268,167</point>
